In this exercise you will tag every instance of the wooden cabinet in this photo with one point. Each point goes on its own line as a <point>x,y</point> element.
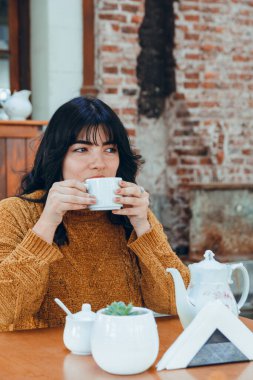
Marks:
<point>18,143</point>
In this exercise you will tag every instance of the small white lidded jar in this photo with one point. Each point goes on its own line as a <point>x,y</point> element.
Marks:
<point>77,331</point>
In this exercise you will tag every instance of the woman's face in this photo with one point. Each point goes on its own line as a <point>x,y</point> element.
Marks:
<point>86,160</point>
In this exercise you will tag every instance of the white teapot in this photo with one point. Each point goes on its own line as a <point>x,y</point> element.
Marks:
<point>209,281</point>
<point>18,106</point>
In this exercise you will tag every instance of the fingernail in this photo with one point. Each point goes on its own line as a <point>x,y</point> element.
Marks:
<point>117,191</point>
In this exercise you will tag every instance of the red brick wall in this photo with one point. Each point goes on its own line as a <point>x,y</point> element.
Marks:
<point>213,138</point>
<point>117,24</point>
<point>209,120</point>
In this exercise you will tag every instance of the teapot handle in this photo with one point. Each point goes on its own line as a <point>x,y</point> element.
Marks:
<point>245,290</point>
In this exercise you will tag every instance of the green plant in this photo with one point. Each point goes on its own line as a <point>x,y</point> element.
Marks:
<point>120,309</point>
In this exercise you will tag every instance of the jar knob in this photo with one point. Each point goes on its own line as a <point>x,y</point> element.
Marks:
<point>86,307</point>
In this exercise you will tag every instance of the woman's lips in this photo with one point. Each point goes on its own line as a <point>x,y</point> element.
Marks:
<point>97,176</point>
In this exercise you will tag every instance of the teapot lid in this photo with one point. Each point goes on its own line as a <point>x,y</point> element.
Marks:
<point>209,262</point>
<point>85,314</point>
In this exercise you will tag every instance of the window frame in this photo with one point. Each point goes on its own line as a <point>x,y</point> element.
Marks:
<point>88,86</point>
<point>19,44</point>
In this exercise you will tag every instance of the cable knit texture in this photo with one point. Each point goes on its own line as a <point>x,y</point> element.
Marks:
<point>98,266</point>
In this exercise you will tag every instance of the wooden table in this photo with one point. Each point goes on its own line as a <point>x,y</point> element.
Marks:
<point>40,354</point>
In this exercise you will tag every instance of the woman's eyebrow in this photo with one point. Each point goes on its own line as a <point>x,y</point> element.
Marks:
<point>91,143</point>
<point>109,143</point>
<point>83,142</point>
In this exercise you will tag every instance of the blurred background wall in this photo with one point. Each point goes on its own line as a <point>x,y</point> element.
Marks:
<point>180,76</point>
<point>56,54</point>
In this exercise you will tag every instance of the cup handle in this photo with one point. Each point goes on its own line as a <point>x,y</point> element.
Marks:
<point>245,290</point>
<point>87,186</point>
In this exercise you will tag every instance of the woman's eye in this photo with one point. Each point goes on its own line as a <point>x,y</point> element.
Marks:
<point>111,150</point>
<point>80,150</point>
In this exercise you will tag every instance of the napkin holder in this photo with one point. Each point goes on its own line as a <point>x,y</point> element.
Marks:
<point>215,336</point>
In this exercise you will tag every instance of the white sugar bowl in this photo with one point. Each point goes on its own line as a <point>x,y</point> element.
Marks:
<point>77,331</point>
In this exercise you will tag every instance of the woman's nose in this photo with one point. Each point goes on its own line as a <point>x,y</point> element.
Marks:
<point>97,161</point>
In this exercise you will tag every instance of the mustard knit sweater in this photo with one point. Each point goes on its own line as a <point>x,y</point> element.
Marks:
<point>98,266</point>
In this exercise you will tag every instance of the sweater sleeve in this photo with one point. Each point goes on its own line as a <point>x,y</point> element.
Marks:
<point>155,255</point>
<point>24,264</point>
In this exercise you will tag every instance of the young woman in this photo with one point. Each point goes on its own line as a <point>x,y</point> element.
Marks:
<point>52,245</point>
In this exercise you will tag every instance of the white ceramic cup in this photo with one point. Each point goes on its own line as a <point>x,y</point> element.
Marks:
<point>104,191</point>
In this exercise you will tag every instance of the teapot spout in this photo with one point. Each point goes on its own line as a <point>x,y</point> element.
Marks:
<point>186,311</point>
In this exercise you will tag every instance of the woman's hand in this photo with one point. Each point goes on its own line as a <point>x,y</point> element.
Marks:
<point>62,197</point>
<point>135,203</point>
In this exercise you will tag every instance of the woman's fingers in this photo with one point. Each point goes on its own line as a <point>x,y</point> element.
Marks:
<point>70,183</point>
<point>62,200</point>
<point>130,211</point>
<point>135,201</point>
<point>129,188</point>
<point>73,206</point>
<point>89,199</point>
<point>132,201</point>
<point>70,191</point>
<point>134,198</point>
<point>66,195</point>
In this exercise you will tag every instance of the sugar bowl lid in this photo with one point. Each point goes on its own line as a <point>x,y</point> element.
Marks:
<point>85,314</point>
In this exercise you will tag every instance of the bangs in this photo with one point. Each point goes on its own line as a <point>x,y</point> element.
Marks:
<point>92,132</point>
<point>92,117</point>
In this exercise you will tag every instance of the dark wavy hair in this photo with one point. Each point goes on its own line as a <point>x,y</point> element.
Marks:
<point>81,113</point>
